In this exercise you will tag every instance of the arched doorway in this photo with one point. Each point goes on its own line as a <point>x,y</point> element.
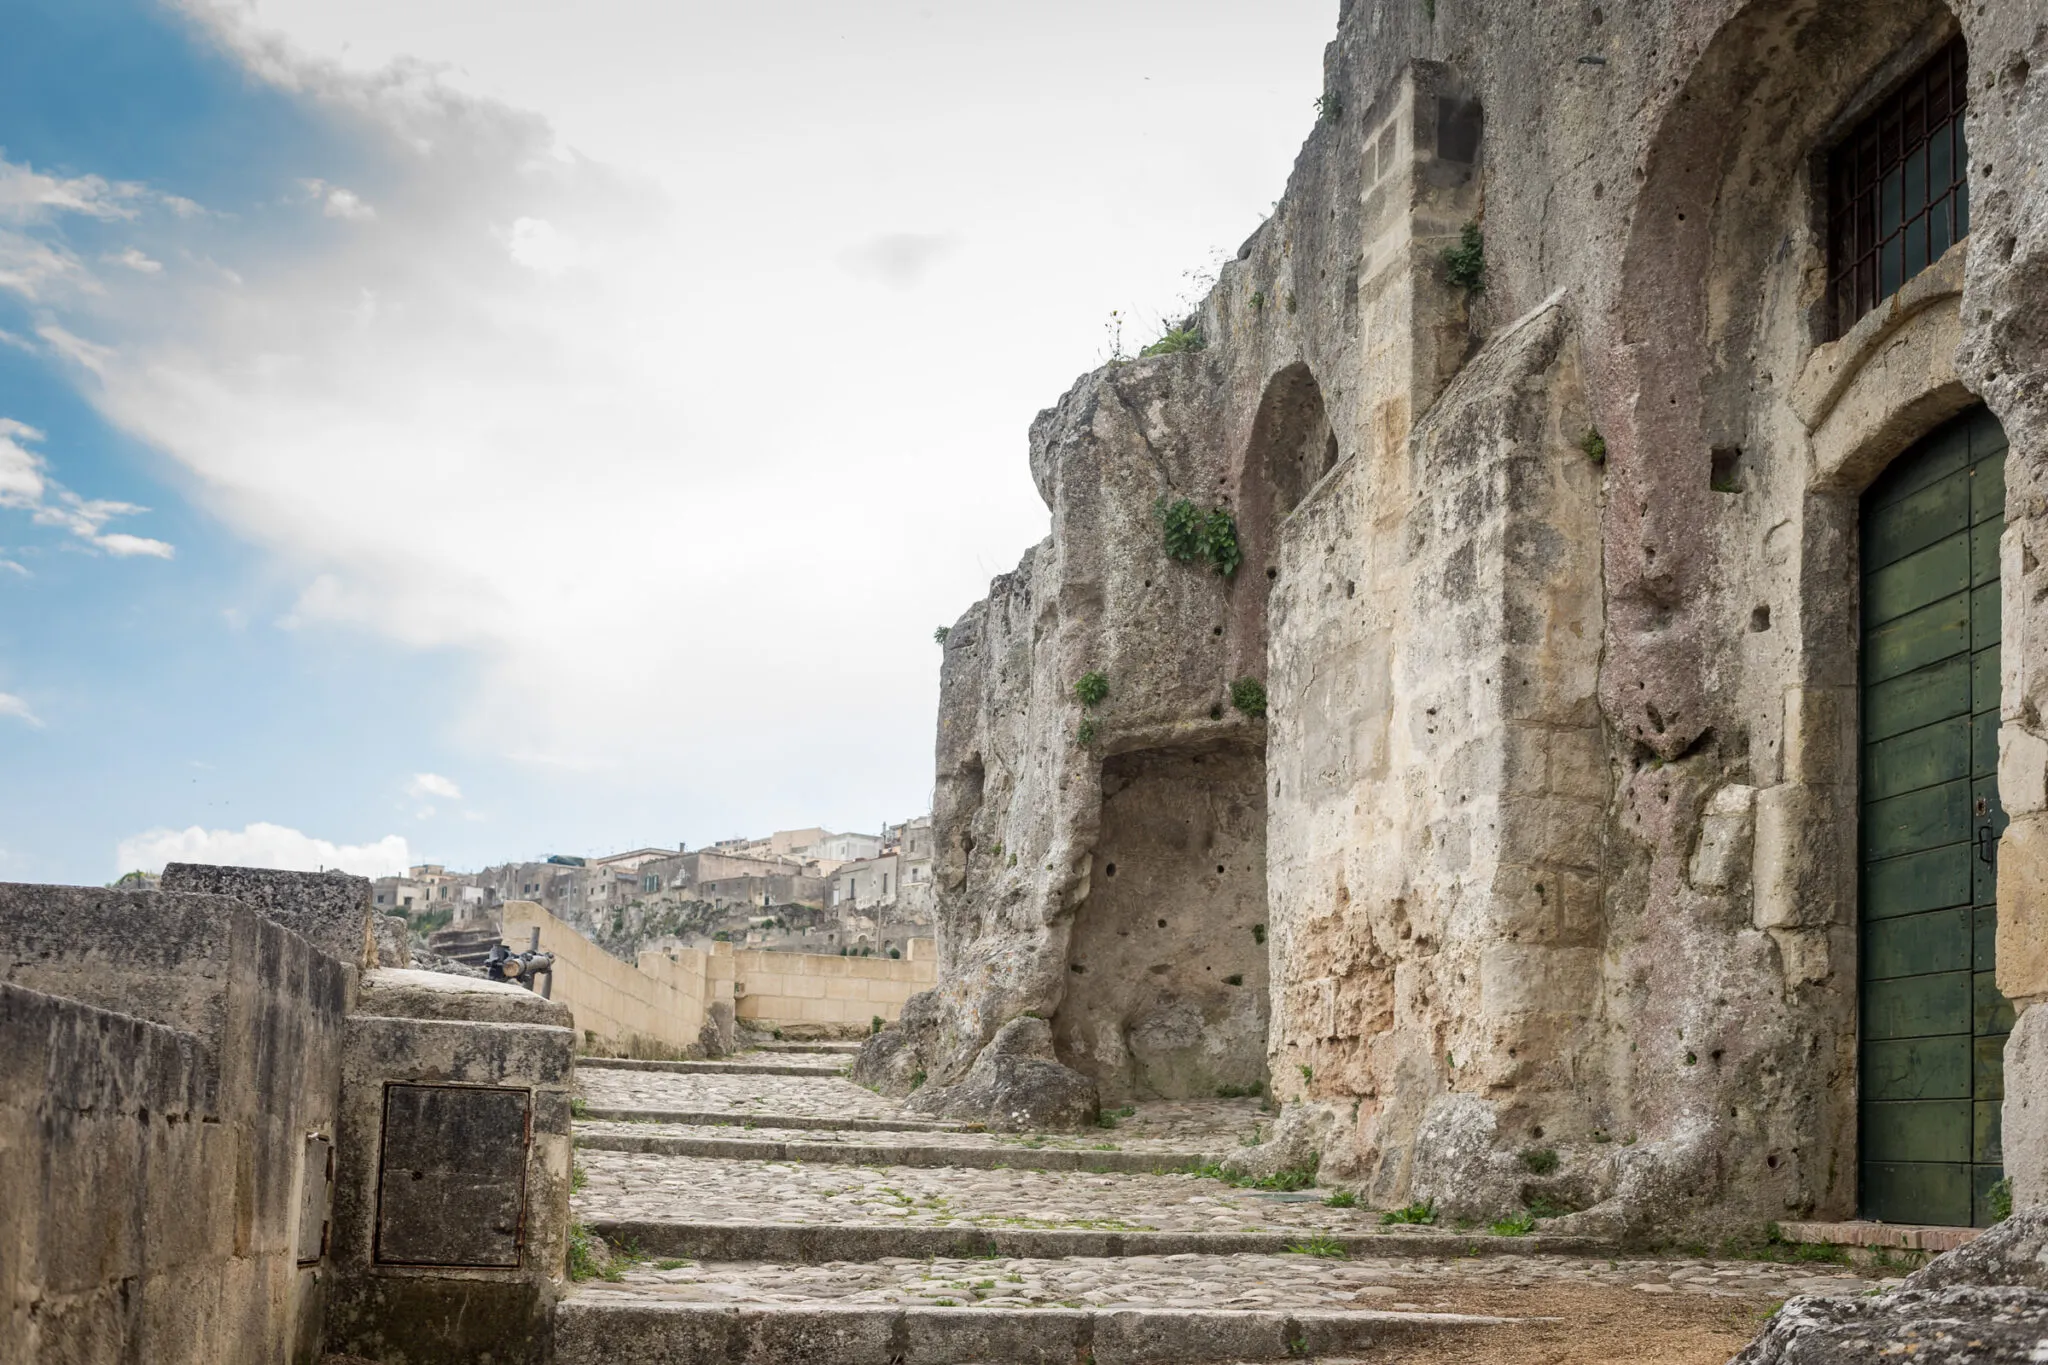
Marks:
<point>1933,1023</point>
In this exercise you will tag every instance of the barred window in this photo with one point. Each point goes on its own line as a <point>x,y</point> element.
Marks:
<point>1898,190</point>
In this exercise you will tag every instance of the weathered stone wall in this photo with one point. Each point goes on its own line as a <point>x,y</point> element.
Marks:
<point>1561,776</point>
<point>165,1057</point>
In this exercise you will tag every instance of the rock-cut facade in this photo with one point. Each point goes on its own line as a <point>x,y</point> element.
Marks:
<point>1626,442</point>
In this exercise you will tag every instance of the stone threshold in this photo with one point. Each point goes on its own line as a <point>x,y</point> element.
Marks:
<point>713,1068</point>
<point>820,1123</point>
<point>1901,1236</point>
<point>988,1158</point>
<point>823,1243</point>
<point>597,1327</point>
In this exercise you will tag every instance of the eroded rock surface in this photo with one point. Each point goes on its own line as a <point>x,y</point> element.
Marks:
<point>1987,1302</point>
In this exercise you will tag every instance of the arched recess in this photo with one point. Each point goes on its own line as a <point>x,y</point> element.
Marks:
<point>1674,366</point>
<point>1292,447</point>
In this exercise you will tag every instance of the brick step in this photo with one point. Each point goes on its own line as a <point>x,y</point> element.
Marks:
<point>714,1068</point>
<point>986,1154</point>
<point>595,1327</point>
<point>726,1118</point>
<point>824,1243</point>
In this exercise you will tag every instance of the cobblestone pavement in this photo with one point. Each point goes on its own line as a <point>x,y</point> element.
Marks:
<point>817,1096</point>
<point>1018,1148</point>
<point>636,1187</point>
<point>1215,1127</point>
<point>1190,1281</point>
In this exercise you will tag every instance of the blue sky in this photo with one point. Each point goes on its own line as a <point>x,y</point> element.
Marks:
<point>457,431</point>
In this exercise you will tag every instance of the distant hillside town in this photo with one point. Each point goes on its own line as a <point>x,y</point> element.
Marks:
<point>799,890</point>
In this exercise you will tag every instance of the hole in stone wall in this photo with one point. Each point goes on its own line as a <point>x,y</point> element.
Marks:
<point>1726,474</point>
<point>1760,619</point>
<point>1110,870</point>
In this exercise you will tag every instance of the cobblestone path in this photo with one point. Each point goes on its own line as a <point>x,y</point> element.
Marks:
<point>760,1230</point>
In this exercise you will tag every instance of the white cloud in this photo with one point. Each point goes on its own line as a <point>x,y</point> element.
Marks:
<point>625,432</point>
<point>424,785</point>
<point>27,195</point>
<point>14,707</point>
<point>261,845</point>
<point>25,486</point>
<point>128,547</point>
<point>135,260</point>
<point>336,202</point>
<point>899,259</point>
<point>537,245</point>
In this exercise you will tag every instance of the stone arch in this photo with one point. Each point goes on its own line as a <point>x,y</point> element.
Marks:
<point>1292,446</point>
<point>1701,281</point>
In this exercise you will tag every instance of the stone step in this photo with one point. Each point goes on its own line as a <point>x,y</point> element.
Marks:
<point>595,1328</point>
<point>741,1068</point>
<point>822,1244</point>
<point>726,1118</point>
<point>983,1154</point>
<point>841,1049</point>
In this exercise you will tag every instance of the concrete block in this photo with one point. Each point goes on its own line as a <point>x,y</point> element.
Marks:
<point>1802,875</point>
<point>2026,1108</point>
<point>1820,735</point>
<point>2023,908</point>
<point>331,910</point>
<point>1722,855</point>
<point>2022,770</point>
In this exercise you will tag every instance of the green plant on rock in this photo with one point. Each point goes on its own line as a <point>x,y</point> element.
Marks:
<point>1595,445</point>
<point>1085,735</point>
<point>1465,263</point>
<point>939,635</point>
<point>917,1079</point>
<point>1249,696</point>
<point>1177,341</point>
<point>1092,688</point>
<point>1420,1214</point>
<point>875,1022</point>
<point>1539,1160</point>
<point>1193,535</point>
<point>2000,1199</point>
<point>1322,1244</point>
<point>1329,107</point>
<point>1342,1199</point>
<point>1258,299</point>
<point>1519,1224</point>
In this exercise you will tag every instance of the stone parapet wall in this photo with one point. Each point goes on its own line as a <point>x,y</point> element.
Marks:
<point>659,1007</point>
<point>814,988</point>
<point>166,1057</point>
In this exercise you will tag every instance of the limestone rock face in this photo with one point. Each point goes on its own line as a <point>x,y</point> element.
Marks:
<point>1016,1085</point>
<point>1987,1301</point>
<point>1533,883</point>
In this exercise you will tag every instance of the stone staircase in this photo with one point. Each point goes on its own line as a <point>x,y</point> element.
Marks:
<point>768,1210</point>
<point>469,943</point>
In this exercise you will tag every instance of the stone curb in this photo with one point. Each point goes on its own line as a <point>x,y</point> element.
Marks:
<point>725,1118</point>
<point>599,1330</point>
<point>713,1068</point>
<point>822,1243</point>
<point>870,1154</point>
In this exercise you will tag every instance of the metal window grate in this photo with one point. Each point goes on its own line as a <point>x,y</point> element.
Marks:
<point>1898,192</point>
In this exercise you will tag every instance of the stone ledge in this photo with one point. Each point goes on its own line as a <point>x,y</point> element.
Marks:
<point>598,1328</point>
<point>713,1068</point>
<point>901,1154</point>
<point>817,1243</point>
<point>1903,1236</point>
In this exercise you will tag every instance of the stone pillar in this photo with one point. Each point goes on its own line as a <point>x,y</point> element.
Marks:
<point>451,1202</point>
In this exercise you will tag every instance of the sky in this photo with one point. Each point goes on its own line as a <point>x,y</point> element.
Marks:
<point>470,430</point>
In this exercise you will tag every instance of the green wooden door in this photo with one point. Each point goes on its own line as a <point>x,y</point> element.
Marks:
<point>1934,1024</point>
